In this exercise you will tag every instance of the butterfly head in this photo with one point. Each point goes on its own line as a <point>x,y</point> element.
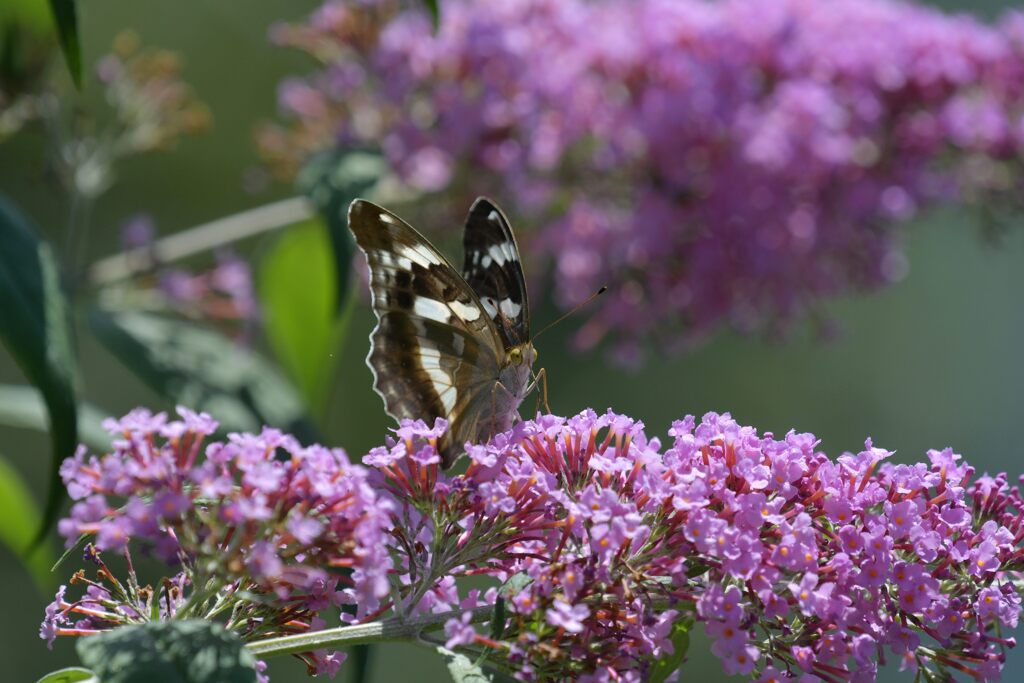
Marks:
<point>523,354</point>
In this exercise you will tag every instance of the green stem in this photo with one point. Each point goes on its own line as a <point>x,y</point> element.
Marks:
<point>425,583</point>
<point>423,586</point>
<point>77,233</point>
<point>374,632</point>
<point>202,590</point>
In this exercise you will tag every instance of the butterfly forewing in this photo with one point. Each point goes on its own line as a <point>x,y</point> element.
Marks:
<point>493,270</point>
<point>435,351</point>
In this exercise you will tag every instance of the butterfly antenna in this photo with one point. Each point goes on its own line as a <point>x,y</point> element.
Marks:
<point>568,313</point>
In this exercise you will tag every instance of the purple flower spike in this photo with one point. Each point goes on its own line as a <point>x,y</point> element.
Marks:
<point>750,157</point>
<point>599,541</point>
<point>278,540</point>
<point>800,567</point>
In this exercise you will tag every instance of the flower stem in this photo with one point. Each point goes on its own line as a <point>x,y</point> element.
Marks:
<point>374,632</point>
<point>201,238</point>
<point>77,233</point>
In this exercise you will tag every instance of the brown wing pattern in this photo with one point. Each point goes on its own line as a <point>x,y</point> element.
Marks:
<point>493,269</point>
<point>434,347</point>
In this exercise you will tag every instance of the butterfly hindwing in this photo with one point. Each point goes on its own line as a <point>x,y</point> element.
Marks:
<point>424,369</point>
<point>435,351</point>
<point>493,269</point>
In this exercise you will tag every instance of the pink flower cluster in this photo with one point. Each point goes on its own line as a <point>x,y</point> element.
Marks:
<point>728,163</point>
<point>224,294</point>
<point>800,567</point>
<point>602,545</point>
<point>255,514</point>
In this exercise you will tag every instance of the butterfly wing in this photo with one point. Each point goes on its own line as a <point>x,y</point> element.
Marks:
<point>493,269</point>
<point>434,351</point>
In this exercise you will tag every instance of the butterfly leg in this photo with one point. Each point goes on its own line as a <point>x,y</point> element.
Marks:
<point>494,408</point>
<point>541,379</point>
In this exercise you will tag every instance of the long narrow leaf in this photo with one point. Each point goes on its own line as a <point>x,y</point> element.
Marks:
<point>201,369</point>
<point>72,674</point>
<point>21,406</point>
<point>34,327</point>
<point>20,523</point>
<point>433,7</point>
<point>663,668</point>
<point>297,289</point>
<point>296,282</point>
<point>332,180</point>
<point>65,15</point>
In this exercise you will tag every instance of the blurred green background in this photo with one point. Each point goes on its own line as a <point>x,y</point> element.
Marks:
<point>930,362</point>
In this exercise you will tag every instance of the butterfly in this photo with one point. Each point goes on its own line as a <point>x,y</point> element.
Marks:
<point>448,344</point>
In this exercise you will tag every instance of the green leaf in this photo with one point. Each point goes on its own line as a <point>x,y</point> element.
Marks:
<point>514,584</point>
<point>73,674</point>
<point>462,669</point>
<point>34,327</point>
<point>669,664</point>
<point>359,661</point>
<point>66,17</point>
<point>297,284</point>
<point>498,619</point>
<point>433,6</point>
<point>201,369</point>
<point>21,406</point>
<point>332,179</point>
<point>695,569</point>
<point>31,15</point>
<point>297,289</point>
<point>20,523</point>
<point>190,651</point>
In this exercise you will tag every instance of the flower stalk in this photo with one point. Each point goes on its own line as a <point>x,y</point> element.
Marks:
<point>386,630</point>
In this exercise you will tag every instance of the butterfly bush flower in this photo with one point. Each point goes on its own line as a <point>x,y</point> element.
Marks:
<point>153,106</point>
<point>266,534</point>
<point>602,545</point>
<point>738,165</point>
<point>150,103</point>
<point>798,566</point>
<point>224,293</point>
<point>445,525</point>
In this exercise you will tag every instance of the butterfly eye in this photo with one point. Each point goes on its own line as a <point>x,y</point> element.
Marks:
<point>515,356</point>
